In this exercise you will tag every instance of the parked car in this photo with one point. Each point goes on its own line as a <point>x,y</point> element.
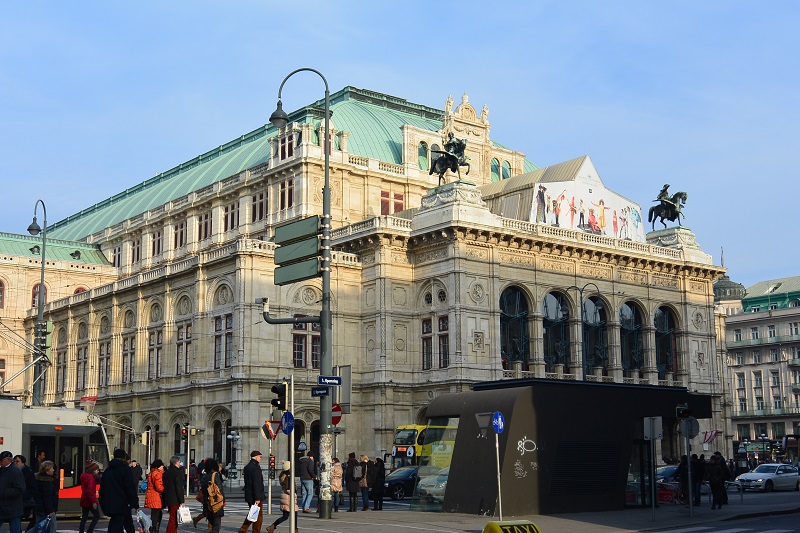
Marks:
<point>769,477</point>
<point>400,483</point>
<point>432,488</point>
<point>669,474</point>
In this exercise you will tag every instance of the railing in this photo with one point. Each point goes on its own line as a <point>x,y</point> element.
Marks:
<point>763,340</point>
<point>358,160</point>
<point>392,168</point>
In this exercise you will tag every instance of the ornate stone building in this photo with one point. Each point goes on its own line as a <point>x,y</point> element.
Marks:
<point>519,271</point>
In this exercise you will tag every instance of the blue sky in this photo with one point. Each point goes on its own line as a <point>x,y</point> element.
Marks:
<point>98,96</point>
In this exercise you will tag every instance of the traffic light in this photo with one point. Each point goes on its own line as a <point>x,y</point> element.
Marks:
<point>185,432</point>
<point>271,466</point>
<point>682,411</point>
<point>280,391</point>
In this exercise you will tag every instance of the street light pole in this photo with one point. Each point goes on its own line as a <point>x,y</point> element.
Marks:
<point>279,119</point>
<point>39,336</point>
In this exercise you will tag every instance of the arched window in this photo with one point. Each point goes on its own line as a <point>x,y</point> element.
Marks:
<point>595,336</point>
<point>35,295</point>
<point>422,155</point>
<point>300,436</point>
<point>555,333</point>
<point>156,441</point>
<point>514,337</point>
<point>79,290</point>
<point>216,445</point>
<point>495,170</point>
<point>176,439</point>
<point>228,455</point>
<point>793,303</point>
<point>666,347</point>
<point>630,333</point>
<point>506,170</point>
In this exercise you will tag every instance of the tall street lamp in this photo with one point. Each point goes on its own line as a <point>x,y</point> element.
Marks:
<point>584,333</point>
<point>279,119</point>
<point>39,331</point>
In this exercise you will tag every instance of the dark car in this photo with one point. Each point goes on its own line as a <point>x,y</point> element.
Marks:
<point>400,483</point>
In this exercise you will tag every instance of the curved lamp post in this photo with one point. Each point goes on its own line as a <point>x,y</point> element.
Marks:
<point>598,306</point>
<point>39,331</point>
<point>279,119</point>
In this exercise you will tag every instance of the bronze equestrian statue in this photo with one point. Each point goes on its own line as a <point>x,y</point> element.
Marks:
<point>669,208</point>
<point>451,159</point>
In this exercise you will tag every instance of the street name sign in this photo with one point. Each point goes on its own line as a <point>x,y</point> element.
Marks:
<point>329,380</point>
<point>316,392</point>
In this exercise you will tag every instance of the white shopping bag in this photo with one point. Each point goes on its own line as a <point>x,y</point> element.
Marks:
<point>184,515</point>
<point>144,519</point>
<point>252,514</point>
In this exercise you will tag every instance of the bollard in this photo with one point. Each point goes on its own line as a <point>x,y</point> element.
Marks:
<point>514,526</point>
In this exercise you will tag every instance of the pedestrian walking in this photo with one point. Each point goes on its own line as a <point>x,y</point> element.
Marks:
<point>285,479</point>
<point>717,475</point>
<point>138,474</point>
<point>378,478</point>
<point>28,503</point>
<point>725,472</point>
<point>698,475</point>
<point>12,489</point>
<point>307,473</point>
<point>153,499</point>
<point>174,480</point>
<point>212,478</point>
<point>253,490</point>
<point>118,496</point>
<point>46,494</point>
<point>89,504</point>
<point>336,483</point>
<point>352,476</point>
<point>363,483</point>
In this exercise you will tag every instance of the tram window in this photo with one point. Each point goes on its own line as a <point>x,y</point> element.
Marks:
<point>70,460</point>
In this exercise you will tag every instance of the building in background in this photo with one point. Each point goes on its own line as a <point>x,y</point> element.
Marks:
<point>518,272</point>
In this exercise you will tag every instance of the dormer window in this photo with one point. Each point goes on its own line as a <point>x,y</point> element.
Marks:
<point>287,147</point>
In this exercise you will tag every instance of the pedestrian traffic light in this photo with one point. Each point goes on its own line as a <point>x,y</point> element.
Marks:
<point>682,411</point>
<point>280,391</point>
<point>271,466</point>
<point>185,432</point>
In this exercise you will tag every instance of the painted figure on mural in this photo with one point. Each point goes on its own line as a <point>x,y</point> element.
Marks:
<point>593,221</point>
<point>601,213</point>
<point>581,215</point>
<point>572,211</point>
<point>614,222</point>
<point>541,206</point>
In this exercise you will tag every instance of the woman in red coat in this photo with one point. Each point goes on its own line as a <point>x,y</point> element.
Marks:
<point>152,498</point>
<point>89,481</point>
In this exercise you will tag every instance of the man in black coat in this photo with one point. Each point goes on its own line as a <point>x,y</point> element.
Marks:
<point>173,496</point>
<point>351,481</point>
<point>28,501</point>
<point>12,487</point>
<point>118,494</point>
<point>378,478</point>
<point>253,490</point>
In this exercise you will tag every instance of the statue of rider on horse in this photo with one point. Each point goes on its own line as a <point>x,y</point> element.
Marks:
<point>451,159</point>
<point>669,208</point>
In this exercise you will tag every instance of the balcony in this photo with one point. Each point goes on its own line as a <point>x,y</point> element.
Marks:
<point>778,339</point>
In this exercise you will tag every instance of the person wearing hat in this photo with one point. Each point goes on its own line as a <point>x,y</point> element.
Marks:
<point>12,487</point>
<point>285,479</point>
<point>253,490</point>
<point>118,493</point>
<point>152,497</point>
<point>89,503</point>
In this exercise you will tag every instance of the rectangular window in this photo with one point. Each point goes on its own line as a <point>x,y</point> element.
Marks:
<point>2,371</point>
<point>775,378</point>
<point>754,333</point>
<point>223,341</point>
<point>231,216</point>
<point>756,357</point>
<point>759,403</point>
<point>743,403</point>
<point>794,328</point>
<point>771,332</point>
<point>103,363</point>
<point>180,234</point>
<point>398,203</point>
<point>157,244</point>
<point>136,251</point>
<point>155,347</point>
<point>739,358</point>
<point>737,335</point>
<point>128,358</point>
<point>757,382</point>
<point>795,352</point>
<point>183,352</point>
<point>761,429</point>
<point>259,207</point>
<point>81,362</point>
<point>755,309</point>
<point>61,370</point>
<point>316,351</point>
<point>744,431</point>
<point>773,355</point>
<point>773,307</point>
<point>287,194</point>
<point>427,353</point>
<point>287,146</point>
<point>779,430</point>
<point>204,226</point>
<point>444,342</point>
<point>776,402</point>
<point>385,203</point>
<point>299,351</point>
<point>740,381</point>
<point>116,256</point>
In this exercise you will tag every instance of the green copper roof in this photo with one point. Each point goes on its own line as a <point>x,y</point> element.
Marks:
<point>56,249</point>
<point>373,120</point>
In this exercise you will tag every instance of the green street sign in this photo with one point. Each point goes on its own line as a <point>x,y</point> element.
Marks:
<point>297,230</point>
<point>297,251</point>
<point>297,271</point>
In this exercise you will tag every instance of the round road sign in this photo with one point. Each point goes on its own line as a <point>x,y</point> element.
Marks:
<point>287,423</point>
<point>336,414</point>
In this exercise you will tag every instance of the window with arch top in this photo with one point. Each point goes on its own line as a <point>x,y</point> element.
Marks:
<point>495,169</point>
<point>506,170</point>
<point>422,155</point>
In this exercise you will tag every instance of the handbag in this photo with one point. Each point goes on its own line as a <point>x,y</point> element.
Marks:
<point>199,496</point>
<point>184,515</point>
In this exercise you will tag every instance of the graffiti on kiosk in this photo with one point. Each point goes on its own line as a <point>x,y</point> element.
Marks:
<point>526,445</point>
<point>519,470</point>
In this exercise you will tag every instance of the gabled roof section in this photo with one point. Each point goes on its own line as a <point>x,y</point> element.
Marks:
<point>373,120</point>
<point>566,171</point>
<point>56,250</point>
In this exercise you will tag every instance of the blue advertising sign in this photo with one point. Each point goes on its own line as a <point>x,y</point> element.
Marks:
<point>498,422</point>
<point>287,423</point>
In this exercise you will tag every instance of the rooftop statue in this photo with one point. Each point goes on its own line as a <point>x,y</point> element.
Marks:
<point>669,208</point>
<point>451,158</point>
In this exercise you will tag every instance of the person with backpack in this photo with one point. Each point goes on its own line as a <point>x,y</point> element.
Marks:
<point>213,495</point>
<point>363,483</point>
<point>285,479</point>
<point>352,478</point>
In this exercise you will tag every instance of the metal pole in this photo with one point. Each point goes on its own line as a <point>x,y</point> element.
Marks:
<point>269,483</point>
<point>188,436</point>
<point>689,468</point>
<point>39,340</point>
<point>325,317</point>
<point>292,512</point>
<point>497,458</point>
